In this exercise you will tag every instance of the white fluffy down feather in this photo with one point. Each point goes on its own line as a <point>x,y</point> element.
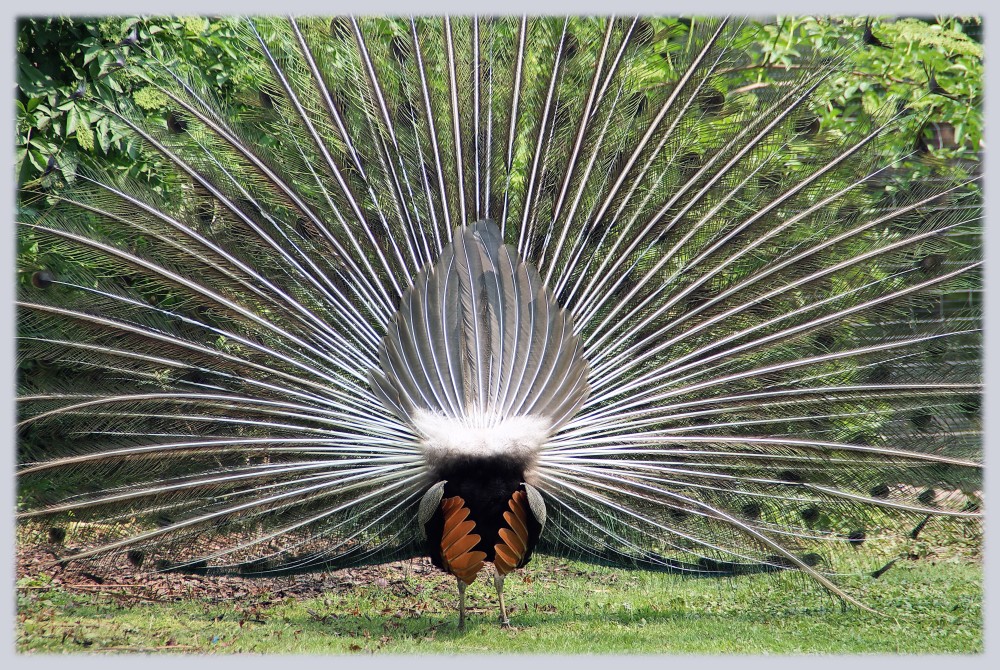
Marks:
<point>446,436</point>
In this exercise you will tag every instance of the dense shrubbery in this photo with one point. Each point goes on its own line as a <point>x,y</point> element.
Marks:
<point>930,66</point>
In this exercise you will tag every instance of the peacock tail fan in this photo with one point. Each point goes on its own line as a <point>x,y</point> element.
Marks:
<point>717,337</point>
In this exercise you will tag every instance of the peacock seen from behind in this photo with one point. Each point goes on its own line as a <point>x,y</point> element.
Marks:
<point>474,288</point>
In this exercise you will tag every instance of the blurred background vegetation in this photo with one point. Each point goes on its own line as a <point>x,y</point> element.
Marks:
<point>930,66</point>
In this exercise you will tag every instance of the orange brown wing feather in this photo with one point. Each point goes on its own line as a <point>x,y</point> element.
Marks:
<point>513,543</point>
<point>457,541</point>
<point>455,534</point>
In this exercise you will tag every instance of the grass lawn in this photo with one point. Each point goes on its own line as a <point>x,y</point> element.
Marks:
<point>927,605</point>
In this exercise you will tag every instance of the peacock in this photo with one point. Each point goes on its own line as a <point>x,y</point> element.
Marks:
<point>475,288</point>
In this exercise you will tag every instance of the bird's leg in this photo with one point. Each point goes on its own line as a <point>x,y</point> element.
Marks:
<point>498,582</point>
<point>461,605</point>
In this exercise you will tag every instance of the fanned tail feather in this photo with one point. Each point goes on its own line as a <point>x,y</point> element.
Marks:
<point>724,324</point>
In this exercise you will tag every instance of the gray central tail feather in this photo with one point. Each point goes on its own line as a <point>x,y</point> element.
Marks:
<point>480,339</point>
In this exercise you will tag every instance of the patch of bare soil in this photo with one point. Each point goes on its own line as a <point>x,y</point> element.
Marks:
<point>118,578</point>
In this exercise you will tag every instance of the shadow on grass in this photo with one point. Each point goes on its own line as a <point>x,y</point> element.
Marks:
<point>445,625</point>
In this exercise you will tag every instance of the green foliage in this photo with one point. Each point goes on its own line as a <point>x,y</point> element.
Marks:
<point>72,71</point>
<point>895,73</point>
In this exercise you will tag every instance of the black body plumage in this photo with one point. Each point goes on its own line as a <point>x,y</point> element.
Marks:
<point>486,485</point>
